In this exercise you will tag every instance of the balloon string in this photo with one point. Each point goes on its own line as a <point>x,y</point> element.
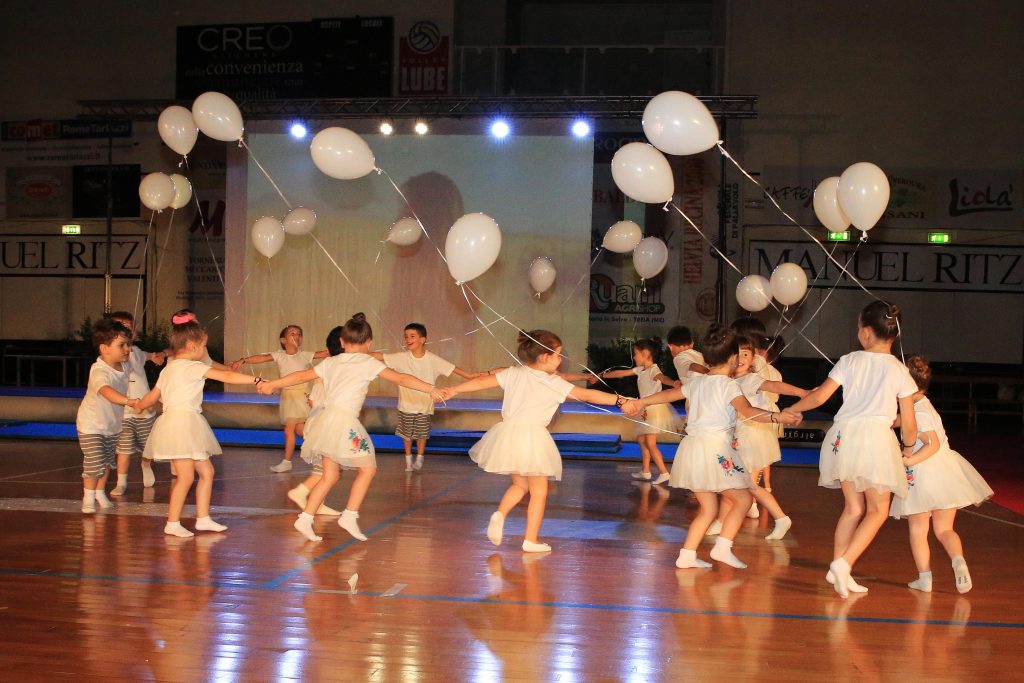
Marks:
<point>241,141</point>
<point>339,269</point>
<point>408,204</point>
<point>145,253</point>
<point>204,228</point>
<point>586,273</point>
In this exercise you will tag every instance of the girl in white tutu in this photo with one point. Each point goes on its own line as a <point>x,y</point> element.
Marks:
<point>706,462</point>
<point>520,445</point>
<point>860,453</point>
<point>181,434</point>
<point>940,482</point>
<point>655,420</point>
<point>334,436</point>
<point>294,404</point>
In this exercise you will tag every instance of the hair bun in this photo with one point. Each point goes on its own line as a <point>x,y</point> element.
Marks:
<point>522,337</point>
<point>359,317</point>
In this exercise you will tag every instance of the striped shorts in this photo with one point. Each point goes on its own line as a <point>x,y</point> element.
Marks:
<point>100,454</point>
<point>134,434</point>
<point>413,426</point>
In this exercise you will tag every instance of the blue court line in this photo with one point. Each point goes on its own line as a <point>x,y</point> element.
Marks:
<point>278,580</point>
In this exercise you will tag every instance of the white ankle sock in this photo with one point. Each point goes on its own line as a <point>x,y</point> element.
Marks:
<point>176,529</point>
<point>531,547</point>
<point>688,560</point>
<point>148,478</point>
<point>923,582</point>
<point>102,500</point>
<point>782,525</point>
<point>408,463</point>
<point>723,553</point>
<point>851,583</point>
<point>349,521</point>
<point>207,524</point>
<point>841,571</point>
<point>304,525</point>
<point>963,577</point>
<point>496,527</point>
<point>88,496</point>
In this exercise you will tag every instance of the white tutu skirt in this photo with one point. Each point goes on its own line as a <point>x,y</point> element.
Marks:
<point>181,434</point>
<point>294,405</point>
<point>942,482</point>
<point>758,445</point>
<point>337,434</point>
<point>708,462</point>
<point>523,448</point>
<point>658,418</point>
<point>865,452</point>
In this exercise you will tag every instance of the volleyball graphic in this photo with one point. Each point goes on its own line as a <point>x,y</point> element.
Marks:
<point>424,36</point>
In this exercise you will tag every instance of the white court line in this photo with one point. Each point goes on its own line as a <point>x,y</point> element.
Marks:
<point>30,474</point>
<point>994,519</point>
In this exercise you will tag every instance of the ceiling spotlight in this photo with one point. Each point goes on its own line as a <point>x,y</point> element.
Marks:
<point>386,128</point>
<point>581,128</point>
<point>500,128</point>
<point>298,130</point>
<point>421,128</point>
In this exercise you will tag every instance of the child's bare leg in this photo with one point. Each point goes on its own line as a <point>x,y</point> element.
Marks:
<point>942,523</point>
<point>349,518</point>
<point>185,467</point>
<point>849,519</point>
<point>538,487</point>
<point>513,494</point>
<point>655,452</point>
<point>421,445</point>
<point>407,444</point>
<point>872,515</point>
<point>708,501</point>
<point>204,490</point>
<point>740,503</point>
<point>645,454</point>
<point>289,441</point>
<point>768,478</point>
<point>320,489</point>
<point>919,524</point>
<point>123,460</point>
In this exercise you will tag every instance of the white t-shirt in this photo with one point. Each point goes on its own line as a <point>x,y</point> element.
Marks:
<point>181,384</point>
<point>347,378</point>
<point>683,360</point>
<point>645,381</point>
<point>871,384</point>
<point>427,368</point>
<point>928,420</point>
<point>318,394</point>
<point>531,395</point>
<point>97,415</point>
<point>750,385</point>
<point>710,398</point>
<point>288,363</point>
<point>138,383</point>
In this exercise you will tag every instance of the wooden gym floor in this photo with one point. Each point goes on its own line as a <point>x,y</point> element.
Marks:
<point>109,597</point>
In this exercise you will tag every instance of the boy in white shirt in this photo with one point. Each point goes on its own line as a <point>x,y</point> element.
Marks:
<point>687,360</point>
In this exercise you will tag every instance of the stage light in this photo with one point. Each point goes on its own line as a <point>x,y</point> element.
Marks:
<point>386,128</point>
<point>298,130</point>
<point>581,129</point>
<point>421,128</point>
<point>500,128</point>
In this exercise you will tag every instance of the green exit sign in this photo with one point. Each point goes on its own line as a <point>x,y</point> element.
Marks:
<point>71,229</point>
<point>939,238</point>
<point>839,236</point>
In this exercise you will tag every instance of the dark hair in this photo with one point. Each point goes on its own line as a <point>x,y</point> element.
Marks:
<point>652,346</point>
<point>106,331</point>
<point>183,333</point>
<point>120,315</point>
<point>419,327</point>
<point>920,371</point>
<point>535,343</point>
<point>718,345</point>
<point>882,318</point>
<point>775,346</point>
<point>356,330</point>
<point>285,331</point>
<point>680,335</point>
<point>334,346</point>
<point>745,342</point>
<point>753,329</point>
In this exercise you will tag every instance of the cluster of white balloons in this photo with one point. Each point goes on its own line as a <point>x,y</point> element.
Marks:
<point>649,253</point>
<point>788,285</point>
<point>859,196</point>
<point>268,233</point>
<point>157,191</point>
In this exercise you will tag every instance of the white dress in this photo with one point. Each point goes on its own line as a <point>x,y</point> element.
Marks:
<point>334,431</point>
<point>521,443</point>
<point>757,442</point>
<point>861,446</point>
<point>706,459</point>
<point>181,431</point>
<point>659,418</point>
<point>943,481</point>
<point>293,405</point>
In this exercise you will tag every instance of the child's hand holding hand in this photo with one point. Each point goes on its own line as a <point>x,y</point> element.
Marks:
<point>264,388</point>
<point>632,407</point>
<point>790,418</point>
<point>237,364</point>
<point>442,395</point>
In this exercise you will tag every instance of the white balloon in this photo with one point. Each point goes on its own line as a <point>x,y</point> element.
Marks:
<point>182,191</point>
<point>650,257</point>
<point>268,236</point>
<point>542,274</point>
<point>156,191</point>
<point>622,237</point>
<point>178,129</point>
<point>472,246</point>
<point>753,293</point>
<point>678,123</point>
<point>342,154</point>
<point>405,232</point>
<point>789,283</point>
<point>826,205</point>
<point>863,194</point>
<point>299,221</point>
<point>643,173</point>
<point>218,116</point>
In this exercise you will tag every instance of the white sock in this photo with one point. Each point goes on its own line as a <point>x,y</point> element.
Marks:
<point>782,525</point>
<point>102,500</point>
<point>841,571</point>
<point>963,577</point>
<point>304,525</point>
<point>688,560</point>
<point>408,463</point>
<point>122,480</point>
<point>851,583</point>
<point>923,583</point>
<point>531,547</point>
<point>496,527</point>
<point>176,529</point>
<point>88,496</point>
<point>207,524</point>
<point>148,478</point>
<point>723,553</point>
<point>349,521</point>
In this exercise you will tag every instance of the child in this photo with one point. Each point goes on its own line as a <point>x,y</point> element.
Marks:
<point>293,407</point>
<point>136,426</point>
<point>772,353</point>
<point>860,453</point>
<point>180,434</point>
<point>656,419</point>
<point>334,436</point>
<point>687,360</point>
<point>189,314</point>
<point>940,482</point>
<point>706,462</point>
<point>414,407</point>
<point>520,445</point>
<point>101,412</point>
